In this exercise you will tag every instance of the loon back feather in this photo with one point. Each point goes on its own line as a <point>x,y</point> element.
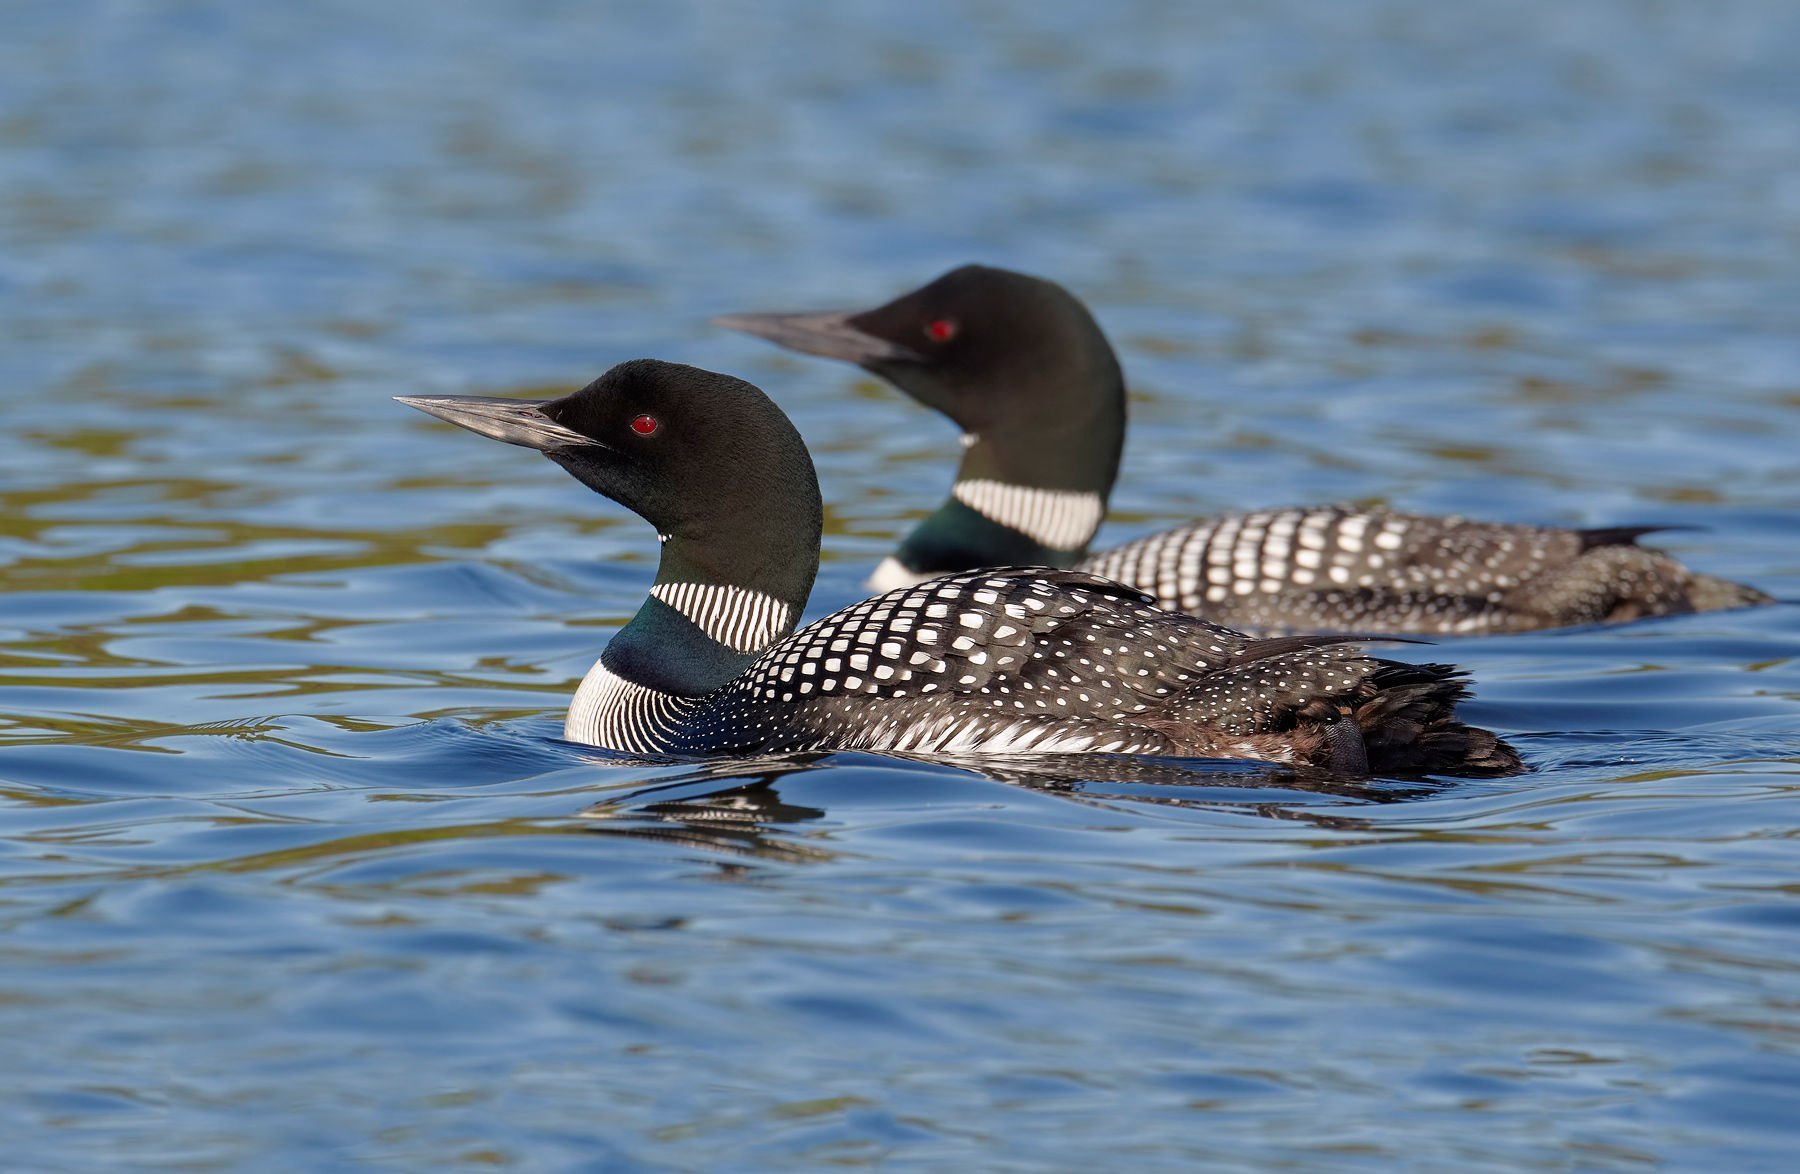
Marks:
<point>1035,386</point>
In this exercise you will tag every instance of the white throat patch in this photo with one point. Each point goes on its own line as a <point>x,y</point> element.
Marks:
<point>1056,518</point>
<point>740,619</point>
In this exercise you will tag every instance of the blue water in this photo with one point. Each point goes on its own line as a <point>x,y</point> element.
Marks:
<point>296,874</point>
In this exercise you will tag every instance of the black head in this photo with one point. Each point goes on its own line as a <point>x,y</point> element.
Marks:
<point>703,457</point>
<point>988,347</point>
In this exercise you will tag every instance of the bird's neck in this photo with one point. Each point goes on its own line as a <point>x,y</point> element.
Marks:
<point>1027,493</point>
<point>726,589</point>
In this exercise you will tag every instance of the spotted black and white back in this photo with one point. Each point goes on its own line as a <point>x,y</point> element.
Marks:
<point>1006,661</point>
<point>1339,569</point>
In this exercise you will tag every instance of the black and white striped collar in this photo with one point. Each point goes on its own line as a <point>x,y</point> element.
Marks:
<point>740,619</point>
<point>1057,519</point>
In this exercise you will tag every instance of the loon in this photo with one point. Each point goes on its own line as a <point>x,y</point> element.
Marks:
<point>1022,367</point>
<point>991,662</point>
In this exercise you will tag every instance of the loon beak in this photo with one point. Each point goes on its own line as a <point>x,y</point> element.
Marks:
<point>830,335</point>
<point>516,421</point>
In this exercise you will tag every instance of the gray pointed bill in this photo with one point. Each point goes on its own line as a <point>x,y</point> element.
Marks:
<point>516,421</point>
<point>829,335</point>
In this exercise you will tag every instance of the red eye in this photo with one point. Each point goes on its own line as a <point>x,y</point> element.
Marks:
<point>941,329</point>
<point>646,425</point>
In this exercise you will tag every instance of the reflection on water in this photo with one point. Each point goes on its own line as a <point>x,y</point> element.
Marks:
<point>750,817</point>
<point>296,872</point>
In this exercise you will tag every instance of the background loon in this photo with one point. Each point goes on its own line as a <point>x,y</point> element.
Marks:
<point>1023,368</point>
<point>999,661</point>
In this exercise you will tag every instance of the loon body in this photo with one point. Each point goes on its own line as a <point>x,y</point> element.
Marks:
<point>1004,661</point>
<point>1020,364</point>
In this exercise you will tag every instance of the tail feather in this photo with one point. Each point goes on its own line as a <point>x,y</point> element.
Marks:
<point>1343,710</point>
<point>1410,725</point>
<point>1592,536</point>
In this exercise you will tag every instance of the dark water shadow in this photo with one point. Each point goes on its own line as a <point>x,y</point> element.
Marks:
<point>737,806</point>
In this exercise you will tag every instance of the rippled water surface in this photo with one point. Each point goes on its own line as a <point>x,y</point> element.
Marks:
<point>296,873</point>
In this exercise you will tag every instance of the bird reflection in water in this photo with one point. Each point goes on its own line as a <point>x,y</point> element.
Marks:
<point>735,806</point>
<point>746,818</point>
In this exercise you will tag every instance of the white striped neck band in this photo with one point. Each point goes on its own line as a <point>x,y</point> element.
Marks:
<point>1058,519</point>
<point>740,619</point>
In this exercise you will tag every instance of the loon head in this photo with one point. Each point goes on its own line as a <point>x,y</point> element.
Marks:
<point>992,349</point>
<point>707,459</point>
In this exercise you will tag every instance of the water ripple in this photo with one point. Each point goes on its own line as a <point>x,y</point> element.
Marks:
<point>296,870</point>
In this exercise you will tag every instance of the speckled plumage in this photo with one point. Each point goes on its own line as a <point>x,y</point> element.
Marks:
<point>1027,374</point>
<point>1325,569</point>
<point>1040,661</point>
<point>1011,661</point>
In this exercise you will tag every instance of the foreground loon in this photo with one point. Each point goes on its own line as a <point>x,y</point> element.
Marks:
<point>1024,369</point>
<point>996,662</point>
